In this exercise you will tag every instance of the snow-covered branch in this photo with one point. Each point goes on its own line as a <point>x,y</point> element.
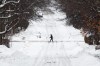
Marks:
<point>4,30</point>
<point>8,16</point>
<point>5,2</point>
<point>13,25</point>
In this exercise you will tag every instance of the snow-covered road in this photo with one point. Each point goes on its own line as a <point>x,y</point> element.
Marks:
<point>68,48</point>
<point>53,55</point>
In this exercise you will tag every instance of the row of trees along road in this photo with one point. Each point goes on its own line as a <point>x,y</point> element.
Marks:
<point>84,15</point>
<point>15,15</point>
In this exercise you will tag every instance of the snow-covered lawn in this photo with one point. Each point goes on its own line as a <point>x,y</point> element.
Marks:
<point>32,47</point>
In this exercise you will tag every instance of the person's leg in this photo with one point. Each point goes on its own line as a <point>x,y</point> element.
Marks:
<point>52,40</point>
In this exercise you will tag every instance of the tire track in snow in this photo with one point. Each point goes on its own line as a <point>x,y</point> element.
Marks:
<point>40,55</point>
<point>52,55</point>
<point>65,59</point>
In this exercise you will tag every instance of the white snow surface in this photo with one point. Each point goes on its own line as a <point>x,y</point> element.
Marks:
<point>32,47</point>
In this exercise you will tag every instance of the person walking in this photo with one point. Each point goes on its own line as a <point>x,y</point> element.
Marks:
<point>51,38</point>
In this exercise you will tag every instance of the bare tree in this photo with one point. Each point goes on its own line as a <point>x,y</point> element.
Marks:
<point>15,15</point>
<point>83,14</point>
